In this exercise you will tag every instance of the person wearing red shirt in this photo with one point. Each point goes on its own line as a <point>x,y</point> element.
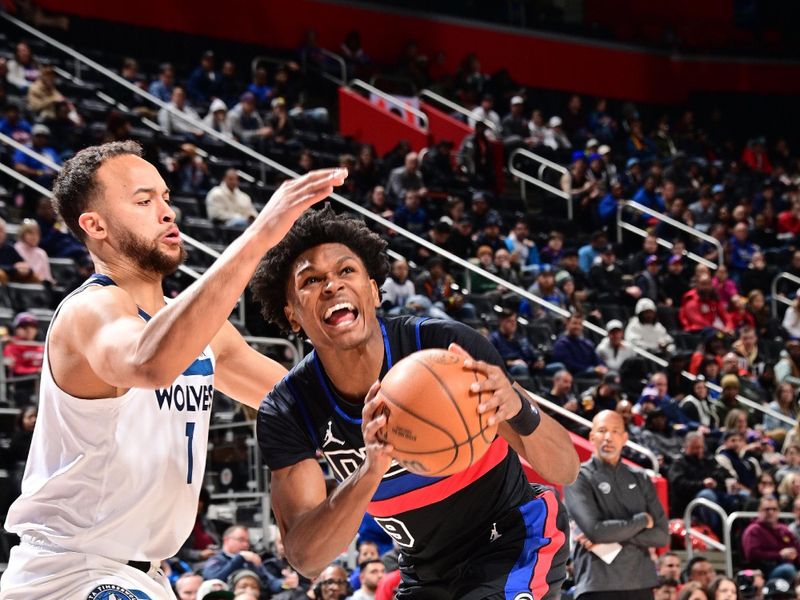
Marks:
<point>789,220</point>
<point>701,308</point>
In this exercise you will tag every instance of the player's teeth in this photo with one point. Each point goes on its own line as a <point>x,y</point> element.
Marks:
<point>339,306</point>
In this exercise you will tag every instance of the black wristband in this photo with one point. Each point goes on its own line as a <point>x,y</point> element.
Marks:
<point>527,419</point>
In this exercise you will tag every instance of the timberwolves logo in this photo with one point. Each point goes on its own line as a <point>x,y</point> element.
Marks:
<point>109,591</point>
<point>524,596</point>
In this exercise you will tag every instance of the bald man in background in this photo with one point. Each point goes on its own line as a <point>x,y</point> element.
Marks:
<point>614,504</point>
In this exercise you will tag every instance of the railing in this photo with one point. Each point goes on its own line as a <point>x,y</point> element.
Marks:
<point>728,526</point>
<point>670,221</point>
<point>552,406</point>
<point>342,80</point>
<point>423,118</point>
<point>273,341</point>
<point>776,297</point>
<point>694,533</point>
<point>358,208</point>
<point>543,164</point>
<point>45,160</point>
<point>454,106</point>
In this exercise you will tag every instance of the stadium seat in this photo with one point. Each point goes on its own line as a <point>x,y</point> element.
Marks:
<point>27,296</point>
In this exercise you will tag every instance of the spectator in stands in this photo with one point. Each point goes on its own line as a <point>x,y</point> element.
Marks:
<point>281,123</point>
<point>217,118</point>
<point>490,234</point>
<point>203,83</point>
<point>405,178</point>
<point>789,220</point>
<point>788,489</point>
<point>65,133</point>
<point>43,95</point>
<point>613,350</point>
<point>723,285</point>
<point>788,367</point>
<point>162,87</point>
<point>755,156</point>
<point>411,215</point>
<point>785,403</point>
<point>603,396</point>
<point>669,566</point>
<point>766,326</point>
<point>475,158</point>
<point>794,526</point>
<point>649,196</point>
<point>246,582</point>
<point>659,436</point>
<point>480,284</point>
<point>554,251</point>
<point>698,407</point>
<point>367,173</point>
<point>606,279</point>
<point>436,284</point>
<point>14,125</point>
<point>172,122</point>
<point>608,204</point>
<point>583,190</point>
<point>758,275</point>
<point>260,87</point>
<point>331,583</point>
<point>740,249</point>
<point>694,475</point>
<point>34,168</point>
<point>514,348</point>
<point>645,331</point>
<point>27,246</point>
<point>187,585</point>
<point>791,318</point>
<point>371,571</point>
<point>228,205</point>
<point>738,313</point>
<point>727,401</point>
<point>214,588</point>
<point>486,113</point>
<point>648,281</point>
<point>23,68</point>
<point>188,172</point>
<point>12,266</point>
<point>703,209</point>
<point>523,249</point>
<point>55,241</point>
<point>576,352</point>
<point>701,308</point>
<point>537,130</point>
<point>545,288</point>
<point>628,513</point>
<point>723,588</point>
<point>397,288</point>
<point>367,551</point>
<point>24,355</point>
<point>700,571</point>
<point>236,554</point>
<point>742,468</point>
<point>770,545</point>
<point>588,253</point>
<point>673,283</point>
<point>748,351</point>
<point>514,125</point>
<point>561,391</point>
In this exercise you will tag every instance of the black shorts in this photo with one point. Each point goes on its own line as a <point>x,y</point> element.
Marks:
<point>522,557</point>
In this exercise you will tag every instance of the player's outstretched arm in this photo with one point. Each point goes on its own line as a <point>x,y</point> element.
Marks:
<point>315,528</point>
<point>126,353</point>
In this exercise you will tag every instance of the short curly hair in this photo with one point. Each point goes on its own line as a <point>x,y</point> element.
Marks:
<point>313,228</point>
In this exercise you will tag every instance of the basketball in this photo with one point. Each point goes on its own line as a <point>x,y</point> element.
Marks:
<point>432,417</point>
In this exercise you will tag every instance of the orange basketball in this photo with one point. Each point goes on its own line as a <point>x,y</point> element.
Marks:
<point>432,417</point>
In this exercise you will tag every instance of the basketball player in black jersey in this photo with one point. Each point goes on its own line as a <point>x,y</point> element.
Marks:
<point>484,533</point>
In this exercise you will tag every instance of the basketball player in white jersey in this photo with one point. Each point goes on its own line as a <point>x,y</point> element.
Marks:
<point>118,453</point>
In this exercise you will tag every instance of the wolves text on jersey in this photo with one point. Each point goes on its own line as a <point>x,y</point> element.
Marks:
<point>185,397</point>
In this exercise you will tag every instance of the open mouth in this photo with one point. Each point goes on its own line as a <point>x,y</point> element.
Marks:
<point>173,237</point>
<point>340,314</point>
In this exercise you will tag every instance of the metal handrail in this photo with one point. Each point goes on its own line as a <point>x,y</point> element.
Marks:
<point>728,525</point>
<point>273,341</point>
<point>455,106</point>
<point>775,296</point>
<point>690,533</point>
<point>342,65</point>
<point>360,83</point>
<point>586,423</point>
<point>543,163</point>
<point>349,204</point>
<point>45,160</point>
<point>674,223</point>
<point>661,242</point>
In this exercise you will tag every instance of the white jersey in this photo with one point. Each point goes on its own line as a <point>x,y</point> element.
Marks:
<point>117,477</point>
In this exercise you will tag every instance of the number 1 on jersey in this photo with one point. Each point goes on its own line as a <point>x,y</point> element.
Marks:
<point>190,436</point>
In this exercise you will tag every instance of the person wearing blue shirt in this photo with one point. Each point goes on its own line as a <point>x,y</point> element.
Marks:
<point>14,125</point>
<point>740,249</point>
<point>575,352</point>
<point>519,242</point>
<point>260,88</point>
<point>411,215</point>
<point>648,196</point>
<point>203,84</point>
<point>515,350</point>
<point>587,253</point>
<point>607,207</point>
<point>32,167</point>
<point>162,87</point>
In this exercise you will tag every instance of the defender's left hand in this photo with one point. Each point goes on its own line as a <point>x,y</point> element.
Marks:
<point>497,393</point>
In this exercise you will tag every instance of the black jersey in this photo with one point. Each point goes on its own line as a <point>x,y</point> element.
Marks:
<point>432,519</point>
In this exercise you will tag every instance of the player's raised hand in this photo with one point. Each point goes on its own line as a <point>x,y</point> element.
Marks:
<point>294,196</point>
<point>373,423</point>
<point>497,394</point>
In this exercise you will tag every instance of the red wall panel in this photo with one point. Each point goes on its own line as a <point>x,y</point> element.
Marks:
<point>367,123</point>
<point>539,60</point>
